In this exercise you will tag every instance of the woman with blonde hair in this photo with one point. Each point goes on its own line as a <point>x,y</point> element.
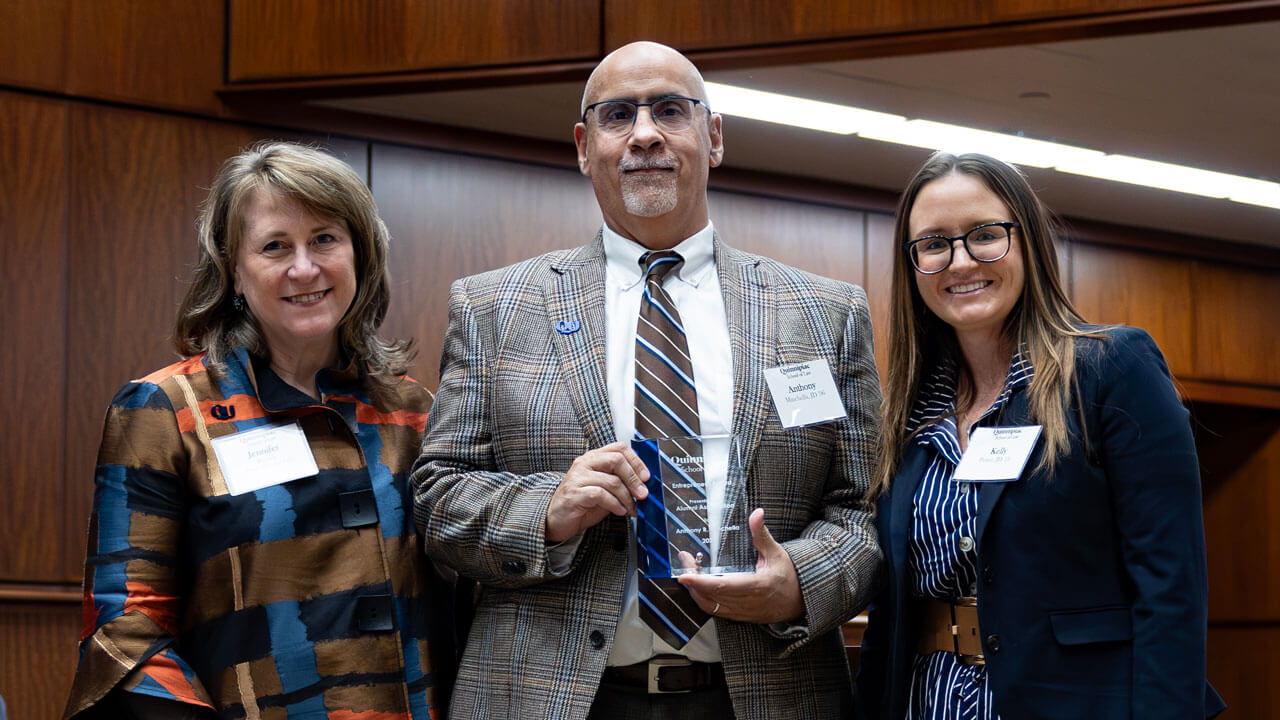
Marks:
<point>1038,490</point>
<point>251,553</point>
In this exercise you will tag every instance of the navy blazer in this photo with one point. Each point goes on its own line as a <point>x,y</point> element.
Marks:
<point>1092,595</point>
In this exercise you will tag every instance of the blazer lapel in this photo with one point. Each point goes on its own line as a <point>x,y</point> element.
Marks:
<point>747,304</point>
<point>575,302</point>
<point>897,520</point>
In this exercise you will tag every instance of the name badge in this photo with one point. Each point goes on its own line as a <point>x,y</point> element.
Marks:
<point>997,454</point>
<point>804,393</point>
<point>265,456</point>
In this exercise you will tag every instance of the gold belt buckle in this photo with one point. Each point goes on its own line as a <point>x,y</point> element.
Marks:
<point>965,658</point>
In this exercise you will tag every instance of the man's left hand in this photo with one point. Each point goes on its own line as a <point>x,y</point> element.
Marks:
<point>771,594</point>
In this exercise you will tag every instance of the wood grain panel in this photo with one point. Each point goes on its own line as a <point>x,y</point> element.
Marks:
<point>824,240</point>
<point>33,42</point>
<point>735,23</point>
<point>454,215</point>
<point>300,38</point>
<point>1109,285</point>
<point>137,180</point>
<point>157,53</point>
<point>1010,10</point>
<point>33,286</point>
<point>1243,667</point>
<point>38,645</point>
<point>729,23</point>
<point>1240,453</point>
<point>1237,324</point>
<point>880,251</point>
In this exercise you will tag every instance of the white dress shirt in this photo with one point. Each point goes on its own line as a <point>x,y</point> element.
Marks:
<point>695,290</point>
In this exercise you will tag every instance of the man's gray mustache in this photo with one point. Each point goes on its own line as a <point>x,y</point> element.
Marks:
<point>664,164</point>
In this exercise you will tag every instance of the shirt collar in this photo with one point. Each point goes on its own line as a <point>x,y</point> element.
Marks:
<point>276,395</point>
<point>938,391</point>
<point>622,257</point>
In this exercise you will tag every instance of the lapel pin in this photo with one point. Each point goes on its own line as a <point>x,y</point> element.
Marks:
<point>567,327</point>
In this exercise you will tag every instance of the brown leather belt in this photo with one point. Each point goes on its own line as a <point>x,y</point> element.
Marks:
<point>949,626</point>
<point>666,674</point>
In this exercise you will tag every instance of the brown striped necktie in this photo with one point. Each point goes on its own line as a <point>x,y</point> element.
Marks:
<point>666,406</point>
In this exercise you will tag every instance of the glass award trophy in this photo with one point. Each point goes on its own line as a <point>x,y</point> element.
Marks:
<point>672,523</point>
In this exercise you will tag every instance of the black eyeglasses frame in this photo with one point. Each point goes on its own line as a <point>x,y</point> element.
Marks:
<point>1009,227</point>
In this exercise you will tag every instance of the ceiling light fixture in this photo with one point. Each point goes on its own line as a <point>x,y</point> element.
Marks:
<point>846,120</point>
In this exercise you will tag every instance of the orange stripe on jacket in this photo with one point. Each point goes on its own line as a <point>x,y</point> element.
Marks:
<point>88,614</point>
<point>162,609</point>
<point>190,366</point>
<point>371,415</point>
<point>165,671</point>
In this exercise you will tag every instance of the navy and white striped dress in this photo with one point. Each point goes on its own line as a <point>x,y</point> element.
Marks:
<point>941,552</point>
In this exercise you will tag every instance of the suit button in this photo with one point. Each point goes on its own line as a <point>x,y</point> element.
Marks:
<point>597,639</point>
<point>513,567</point>
<point>993,644</point>
<point>375,613</point>
<point>988,575</point>
<point>620,543</point>
<point>358,508</point>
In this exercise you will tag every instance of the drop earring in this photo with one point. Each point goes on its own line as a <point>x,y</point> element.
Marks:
<point>237,302</point>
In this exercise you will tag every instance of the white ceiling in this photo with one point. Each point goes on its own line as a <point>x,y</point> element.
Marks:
<point>1206,98</point>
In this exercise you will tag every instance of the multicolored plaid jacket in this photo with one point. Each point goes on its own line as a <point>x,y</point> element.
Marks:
<point>305,599</point>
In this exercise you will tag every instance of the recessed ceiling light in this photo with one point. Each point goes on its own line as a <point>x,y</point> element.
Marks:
<point>887,127</point>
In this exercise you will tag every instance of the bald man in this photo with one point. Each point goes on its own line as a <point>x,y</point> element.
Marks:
<point>528,483</point>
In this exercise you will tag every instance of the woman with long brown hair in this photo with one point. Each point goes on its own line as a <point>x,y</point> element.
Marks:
<point>1038,492</point>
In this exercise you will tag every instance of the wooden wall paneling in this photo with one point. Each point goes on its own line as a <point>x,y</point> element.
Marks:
<point>273,39</point>
<point>880,252</point>
<point>156,53</point>
<point>33,42</point>
<point>1243,669</point>
<point>820,239</point>
<point>136,183</point>
<point>456,215</point>
<point>1109,285</point>
<point>729,23</point>
<point>353,152</point>
<point>736,23</point>
<point>33,287</point>
<point>1241,515</point>
<point>38,648</point>
<point>1237,326</point>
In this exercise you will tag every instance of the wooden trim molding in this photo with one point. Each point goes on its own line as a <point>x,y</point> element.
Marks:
<point>1227,393</point>
<point>54,593</point>
<point>1092,232</point>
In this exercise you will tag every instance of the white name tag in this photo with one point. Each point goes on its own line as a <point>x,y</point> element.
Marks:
<point>997,454</point>
<point>265,456</point>
<point>804,393</point>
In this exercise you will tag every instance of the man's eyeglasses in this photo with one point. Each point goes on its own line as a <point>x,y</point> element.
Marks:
<point>986,243</point>
<point>671,114</point>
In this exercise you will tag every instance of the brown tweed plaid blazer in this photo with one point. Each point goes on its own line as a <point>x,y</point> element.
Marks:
<point>518,401</point>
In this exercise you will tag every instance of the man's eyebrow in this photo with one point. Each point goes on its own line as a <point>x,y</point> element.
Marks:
<point>634,99</point>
